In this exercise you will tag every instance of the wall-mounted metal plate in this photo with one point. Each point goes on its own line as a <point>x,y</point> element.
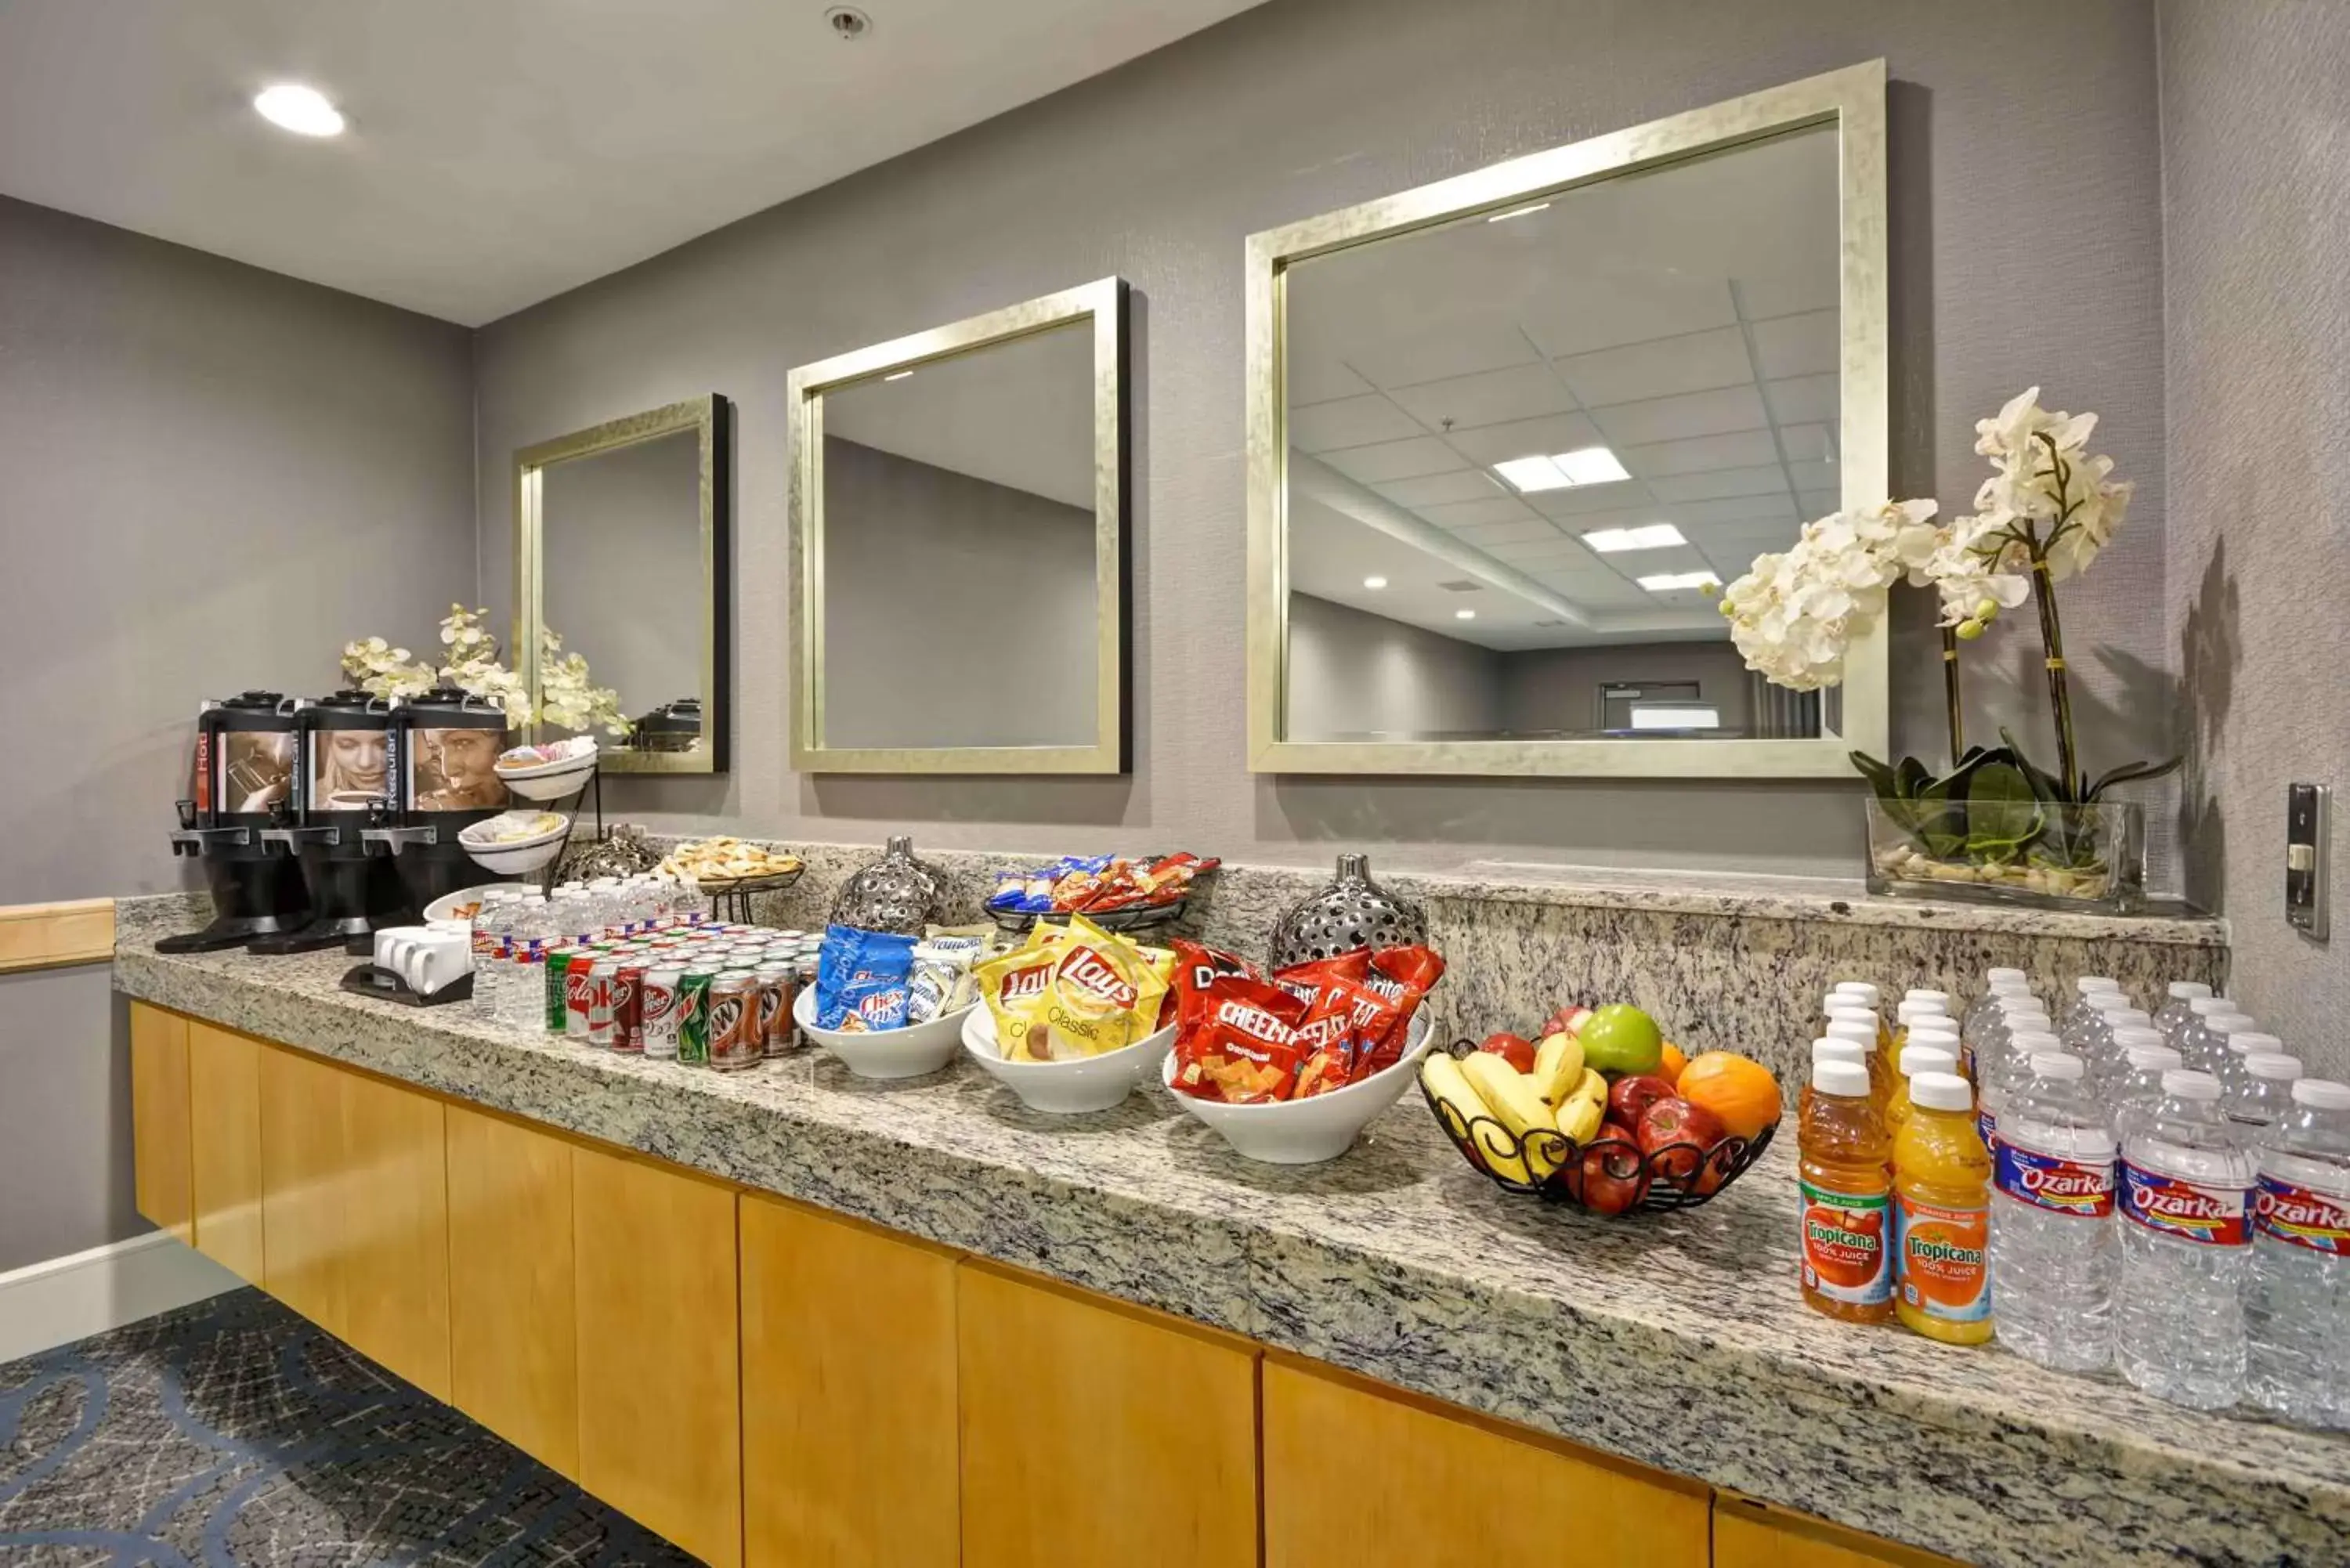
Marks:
<point>2305,833</point>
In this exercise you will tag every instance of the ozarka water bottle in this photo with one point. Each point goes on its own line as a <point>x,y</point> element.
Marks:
<point>2053,1249</point>
<point>2297,1289</point>
<point>2186,1198</point>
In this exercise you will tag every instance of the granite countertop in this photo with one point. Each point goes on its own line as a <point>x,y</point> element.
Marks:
<point>1674,1340</point>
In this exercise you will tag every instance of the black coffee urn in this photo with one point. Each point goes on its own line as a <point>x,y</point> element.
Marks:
<point>344,785</point>
<point>243,782</point>
<point>444,751</point>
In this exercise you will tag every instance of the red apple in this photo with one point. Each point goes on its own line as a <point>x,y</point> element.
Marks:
<point>1567,1020</point>
<point>1675,1135</point>
<point>1632,1095</point>
<point>1613,1178</point>
<point>1515,1049</point>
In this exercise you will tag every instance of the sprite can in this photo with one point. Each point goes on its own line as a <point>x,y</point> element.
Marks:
<point>555,984</point>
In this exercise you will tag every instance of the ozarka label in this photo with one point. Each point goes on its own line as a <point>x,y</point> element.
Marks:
<point>2050,1181</point>
<point>2215,1216</point>
<point>1945,1268</point>
<point>2300,1217</point>
<point>1845,1255</point>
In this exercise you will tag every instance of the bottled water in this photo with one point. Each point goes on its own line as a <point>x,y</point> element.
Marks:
<point>692,903</point>
<point>520,1003</point>
<point>2137,1093</point>
<point>2203,1041</point>
<point>2186,1196</point>
<point>2265,1094</point>
<point>2007,1073</point>
<point>492,922</point>
<point>2105,1076</point>
<point>1997,982</point>
<point>1990,1038</point>
<point>2297,1288</point>
<point>2053,1254</point>
<point>2178,1009</point>
<point>2241,1040</point>
<point>2083,988</point>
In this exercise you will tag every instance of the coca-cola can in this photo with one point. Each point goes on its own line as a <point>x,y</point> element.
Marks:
<point>734,1042</point>
<point>626,987</point>
<point>579,993</point>
<point>657,1010</point>
<point>600,999</point>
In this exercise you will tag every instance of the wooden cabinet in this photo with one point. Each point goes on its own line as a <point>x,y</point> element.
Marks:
<point>848,1395</point>
<point>160,1124</point>
<point>513,1339</point>
<point>660,1400</point>
<point>224,1148</point>
<point>1445,1488</point>
<point>1101,1433</point>
<point>302,1161</point>
<point>1750,1534</point>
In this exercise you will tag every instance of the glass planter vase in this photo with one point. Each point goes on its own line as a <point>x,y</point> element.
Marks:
<point>2090,859</point>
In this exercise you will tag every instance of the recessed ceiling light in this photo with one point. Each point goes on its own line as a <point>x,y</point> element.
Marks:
<point>848,23</point>
<point>302,110</point>
<point>1464,615</point>
<point>1375,582</point>
<point>897,375</point>
<point>1648,536</point>
<point>1591,465</point>
<point>1519,211</point>
<point>1670,582</point>
<point>1531,473</point>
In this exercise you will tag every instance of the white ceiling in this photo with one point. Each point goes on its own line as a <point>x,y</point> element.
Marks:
<point>500,152</point>
<point>1685,318</point>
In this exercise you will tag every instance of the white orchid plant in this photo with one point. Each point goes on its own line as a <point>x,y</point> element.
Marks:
<point>471,660</point>
<point>2047,510</point>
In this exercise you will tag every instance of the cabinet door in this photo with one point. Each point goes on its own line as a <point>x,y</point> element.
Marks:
<point>225,1147</point>
<point>513,1341</point>
<point>848,1395</point>
<point>1750,1534</point>
<point>659,1392</point>
<point>1099,1433</point>
<point>1467,1490</point>
<point>160,1126</point>
<point>394,1252</point>
<point>303,1173</point>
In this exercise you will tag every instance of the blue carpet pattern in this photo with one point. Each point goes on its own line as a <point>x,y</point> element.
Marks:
<point>232,1432</point>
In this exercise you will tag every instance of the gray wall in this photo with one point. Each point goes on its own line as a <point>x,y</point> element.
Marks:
<point>958,612</point>
<point>623,566</point>
<point>2014,165</point>
<point>2256,150</point>
<point>1353,674</point>
<point>210,477</point>
<point>1558,688</point>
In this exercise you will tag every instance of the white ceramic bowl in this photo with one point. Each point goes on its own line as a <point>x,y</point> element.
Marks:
<point>549,781</point>
<point>1320,1127</point>
<point>886,1053</point>
<point>446,906</point>
<point>516,857</point>
<point>1065,1088</point>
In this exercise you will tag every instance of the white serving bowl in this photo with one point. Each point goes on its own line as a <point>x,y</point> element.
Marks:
<point>444,908</point>
<point>1319,1128</point>
<point>1065,1088</point>
<point>549,779</point>
<point>886,1053</point>
<point>516,857</point>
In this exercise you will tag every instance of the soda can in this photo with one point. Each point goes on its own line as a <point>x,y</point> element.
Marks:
<point>735,1020</point>
<point>601,975</point>
<point>693,1017</point>
<point>627,988</point>
<point>556,984</point>
<point>578,992</point>
<point>657,1010</point>
<point>775,994</point>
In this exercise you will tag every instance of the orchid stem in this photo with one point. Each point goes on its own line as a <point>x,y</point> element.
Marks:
<point>1950,693</point>
<point>2060,693</point>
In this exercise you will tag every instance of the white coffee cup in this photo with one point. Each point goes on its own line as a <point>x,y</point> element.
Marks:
<point>426,958</point>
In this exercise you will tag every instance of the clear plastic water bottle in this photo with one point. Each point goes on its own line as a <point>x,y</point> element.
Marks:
<point>1999,985</point>
<point>2241,1040</point>
<point>2198,1008</point>
<point>2053,1254</point>
<point>2203,1043</point>
<point>2105,1076</point>
<point>2137,1093</point>
<point>2185,1200</point>
<point>1989,1040</point>
<point>2265,1094</point>
<point>494,920</point>
<point>2004,1074</point>
<point>2297,1287</point>
<point>2183,993</point>
<point>2083,988</point>
<point>692,903</point>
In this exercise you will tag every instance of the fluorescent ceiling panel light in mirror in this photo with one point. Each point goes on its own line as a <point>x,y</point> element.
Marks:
<point>1672,582</point>
<point>1649,536</point>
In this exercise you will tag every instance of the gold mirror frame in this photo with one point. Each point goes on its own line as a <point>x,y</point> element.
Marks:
<point>707,417</point>
<point>1853,99</point>
<point>1104,302</point>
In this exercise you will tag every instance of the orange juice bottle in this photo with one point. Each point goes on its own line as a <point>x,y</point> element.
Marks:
<point>1941,1194</point>
<point>1863,993</point>
<point>1828,1050</point>
<point>1915,1059</point>
<point>1847,1254</point>
<point>1859,1025</point>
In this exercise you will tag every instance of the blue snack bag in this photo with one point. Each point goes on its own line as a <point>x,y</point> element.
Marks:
<point>863,979</point>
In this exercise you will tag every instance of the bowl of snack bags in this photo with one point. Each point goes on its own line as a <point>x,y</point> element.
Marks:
<point>547,771</point>
<point>1073,1018</point>
<point>1117,891</point>
<point>1289,1069</point>
<point>888,1005</point>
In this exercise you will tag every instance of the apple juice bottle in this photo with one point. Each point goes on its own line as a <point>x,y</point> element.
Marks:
<point>1847,1197</point>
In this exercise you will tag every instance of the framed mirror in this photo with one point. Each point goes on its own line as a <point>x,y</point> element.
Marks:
<point>958,506</point>
<point>620,558</point>
<point>1507,429</point>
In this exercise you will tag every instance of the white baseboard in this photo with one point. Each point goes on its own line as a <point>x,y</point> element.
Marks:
<point>73,1297</point>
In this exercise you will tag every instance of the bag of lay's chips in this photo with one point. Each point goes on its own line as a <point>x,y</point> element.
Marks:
<point>1012,984</point>
<point>1073,991</point>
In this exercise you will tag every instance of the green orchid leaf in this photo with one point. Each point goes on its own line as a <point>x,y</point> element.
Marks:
<point>1884,780</point>
<point>2132,772</point>
<point>1912,776</point>
<point>2003,812</point>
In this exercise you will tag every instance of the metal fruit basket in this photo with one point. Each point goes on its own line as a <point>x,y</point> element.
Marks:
<point>1133,917</point>
<point>1678,1176</point>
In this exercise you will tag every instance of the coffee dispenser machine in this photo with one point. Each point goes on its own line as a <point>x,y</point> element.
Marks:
<point>243,783</point>
<point>444,757</point>
<point>343,785</point>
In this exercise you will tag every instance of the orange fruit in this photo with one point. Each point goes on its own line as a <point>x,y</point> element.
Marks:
<point>1670,1068</point>
<point>1740,1091</point>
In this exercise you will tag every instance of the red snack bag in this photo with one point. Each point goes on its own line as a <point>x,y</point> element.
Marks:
<point>1243,1046</point>
<point>1341,1028</point>
<point>1403,976</point>
<point>1306,981</point>
<point>1198,968</point>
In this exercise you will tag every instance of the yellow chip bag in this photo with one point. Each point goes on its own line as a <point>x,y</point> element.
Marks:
<point>1104,995</point>
<point>1014,984</point>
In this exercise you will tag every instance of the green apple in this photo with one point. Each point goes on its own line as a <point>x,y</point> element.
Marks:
<point>1621,1039</point>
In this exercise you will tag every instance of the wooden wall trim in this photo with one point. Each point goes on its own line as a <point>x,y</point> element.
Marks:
<point>51,936</point>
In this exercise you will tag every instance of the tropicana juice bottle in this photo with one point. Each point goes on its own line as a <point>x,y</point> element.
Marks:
<point>1915,1059</point>
<point>1847,1232</point>
<point>1848,1020</point>
<point>1941,1191</point>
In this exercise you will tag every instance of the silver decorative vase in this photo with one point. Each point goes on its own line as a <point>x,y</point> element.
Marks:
<point>1352,912</point>
<point>896,893</point>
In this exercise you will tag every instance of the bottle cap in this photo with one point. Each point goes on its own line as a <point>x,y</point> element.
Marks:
<point>1861,1031</point>
<point>2150,1058</point>
<point>2189,989</point>
<point>1868,993</point>
<point>1922,993</point>
<point>1995,977</point>
<point>2129,1034</point>
<point>2111,1002</point>
<point>2231,1024</point>
<point>2180,1084</point>
<point>2022,1004</point>
<point>1844,1080</point>
<point>2205,1006</point>
<point>2029,1040</point>
<point>2273,1064</point>
<point>2056,1064</point>
<point>1941,1092</point>
<point>2323,1094</point>
<point>1840,1051</point>
<point>2089,982</point>
<point>1916,1059</point>
<point>1837,1001</point>
<point>1910,1012</point>
<point>1940,1036</point>
<point>2247,1043</point>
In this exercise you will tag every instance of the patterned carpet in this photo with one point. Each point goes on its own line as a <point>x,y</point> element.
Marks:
<point>232,1432</point>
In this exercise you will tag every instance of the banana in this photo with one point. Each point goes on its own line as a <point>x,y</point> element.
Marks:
<point>1558,1067</point>
<point>1452,1086</point>
<point>1512,1096</point>
<point>1580,1115</point>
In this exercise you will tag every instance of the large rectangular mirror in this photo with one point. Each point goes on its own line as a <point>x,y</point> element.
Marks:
<point>958,506</point>
<point>620,543</point>
<point>1506,430</point>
